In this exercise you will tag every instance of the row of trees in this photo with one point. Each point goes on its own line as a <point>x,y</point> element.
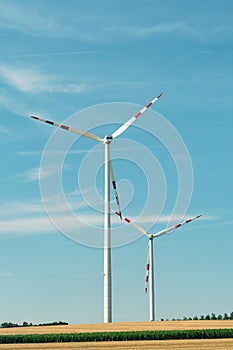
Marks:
<point>26,324</point>
<point>205,317</point>
<point>213,317</point>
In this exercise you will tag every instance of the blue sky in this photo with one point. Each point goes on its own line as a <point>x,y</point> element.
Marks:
<point>62,57</point>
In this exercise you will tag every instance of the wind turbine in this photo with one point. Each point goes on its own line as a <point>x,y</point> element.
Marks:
<point>108,172</point>
<point>150,258</point>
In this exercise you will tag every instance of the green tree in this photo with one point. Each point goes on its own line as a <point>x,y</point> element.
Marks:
<point>226,317</point>
<point>219,317</point>
<point>213,316</point>
<point>9,325</point>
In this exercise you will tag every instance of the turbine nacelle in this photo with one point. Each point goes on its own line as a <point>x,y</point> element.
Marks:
<point>108,139</point>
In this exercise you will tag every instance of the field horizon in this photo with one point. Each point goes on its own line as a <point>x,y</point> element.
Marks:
<point>120,327</point>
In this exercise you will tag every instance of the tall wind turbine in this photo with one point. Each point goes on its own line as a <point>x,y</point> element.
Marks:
<point>108,172</point>
<point>150,258</point>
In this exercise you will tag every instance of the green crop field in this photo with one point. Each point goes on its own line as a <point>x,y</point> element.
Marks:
<point>167,335</point>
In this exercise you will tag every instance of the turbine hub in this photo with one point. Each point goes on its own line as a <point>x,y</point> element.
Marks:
<point>108,139</point>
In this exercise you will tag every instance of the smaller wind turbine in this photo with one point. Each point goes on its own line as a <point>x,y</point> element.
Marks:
<point>150,258</point>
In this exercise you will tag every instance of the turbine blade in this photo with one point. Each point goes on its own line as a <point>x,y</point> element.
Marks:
<point>115,189</point>
<point>147,268</point>
<point>136,226</point>
<point>131,120</point>
<point>68,128</point>
<point>169,229</point>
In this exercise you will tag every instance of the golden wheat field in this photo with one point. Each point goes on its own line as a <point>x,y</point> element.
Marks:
<point>120,327</point>
<point>217,344</point>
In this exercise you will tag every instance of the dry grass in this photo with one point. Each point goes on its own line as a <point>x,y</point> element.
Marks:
<point>120,327</point>
<point>207,344</point>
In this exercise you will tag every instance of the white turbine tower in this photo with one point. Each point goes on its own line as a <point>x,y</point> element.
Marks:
<point>108,171</point>
<point>150,257</point>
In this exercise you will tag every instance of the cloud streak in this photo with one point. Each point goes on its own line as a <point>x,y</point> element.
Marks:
<point>42,224</point>
<point>33,80</point>
<point>21,217</point>
<point>98,27</point>
<point>56,54</point>
<point>34,174</point>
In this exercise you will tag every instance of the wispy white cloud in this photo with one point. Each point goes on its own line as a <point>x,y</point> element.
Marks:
<point>42,224</point>
<point>78,151</point>
<point>26,80</point>
<point>29,153</point>
<point>191,27</point>
<point>34,174</point>
<point>31,218</point>
<point>21,217</point>
<point>6,274</point>
<point>21,208</point>
<point>205,52</point>
<point>97,26</point>
<point>39,173</point>
<point>90,52</point>
<point>33,80</point>
<point>68,88</point>
<point>49,23</point>
<point>14,15</point>
<point>29,225</point>
<point>148,30</point>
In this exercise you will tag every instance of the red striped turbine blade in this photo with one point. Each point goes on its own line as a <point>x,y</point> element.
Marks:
<point>131,120</point>
<point>68,128</point>
<point>169,229</point>
<point>136,226</point>
<point>115,189</point>
<point>147,269</point>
